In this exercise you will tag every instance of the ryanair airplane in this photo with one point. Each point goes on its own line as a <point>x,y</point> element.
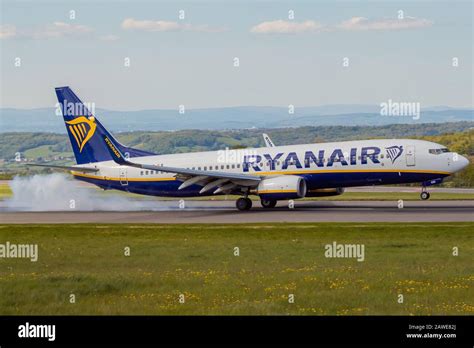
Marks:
<point>273,172</point>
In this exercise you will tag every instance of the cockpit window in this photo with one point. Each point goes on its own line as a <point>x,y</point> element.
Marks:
<point>438,151</point>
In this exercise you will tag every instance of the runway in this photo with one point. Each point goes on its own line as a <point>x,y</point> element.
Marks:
<point>225,212</point>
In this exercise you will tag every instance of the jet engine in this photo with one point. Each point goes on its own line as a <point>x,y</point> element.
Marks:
<point>282,187</point>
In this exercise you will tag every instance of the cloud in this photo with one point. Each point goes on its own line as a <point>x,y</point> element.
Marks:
<point>286,27</point>
<point>7,31</point>
<point>109,37</point>
<point>50,31</point>
<point>353,24</point>
<point>60,29</point>
<point>165,26</point>
<point>132,24</point>
<point>362,23</point>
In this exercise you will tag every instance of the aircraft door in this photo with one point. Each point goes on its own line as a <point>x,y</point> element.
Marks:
<point>123,176</point>
<point>410,155</point>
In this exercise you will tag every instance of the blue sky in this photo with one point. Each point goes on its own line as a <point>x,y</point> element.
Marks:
<point>282,61</point>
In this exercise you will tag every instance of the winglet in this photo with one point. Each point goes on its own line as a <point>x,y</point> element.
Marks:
<point>268,141</point>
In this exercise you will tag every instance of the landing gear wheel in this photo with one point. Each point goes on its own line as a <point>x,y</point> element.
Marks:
<point>425,195</point>
<point>243,204</point>
<point>268,203</point>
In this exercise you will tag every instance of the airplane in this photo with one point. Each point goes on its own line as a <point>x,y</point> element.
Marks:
<point>273,173</point>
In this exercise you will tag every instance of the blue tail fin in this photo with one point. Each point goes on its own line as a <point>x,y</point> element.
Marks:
<point>86,133</point>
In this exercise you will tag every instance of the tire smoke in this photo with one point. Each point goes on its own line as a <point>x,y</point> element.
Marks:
<point>57,192</point>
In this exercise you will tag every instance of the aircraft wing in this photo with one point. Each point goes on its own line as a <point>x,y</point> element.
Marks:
<point>76,169</point>
<point>191,172</point>
<point>224,182</point>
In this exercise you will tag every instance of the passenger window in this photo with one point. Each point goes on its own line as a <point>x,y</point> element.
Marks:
<point>141,173</point>
<point>205,168</point>
<point>222,166</point>
<point>227,166</point>
<point>238,165</point>
<point>233,166</point>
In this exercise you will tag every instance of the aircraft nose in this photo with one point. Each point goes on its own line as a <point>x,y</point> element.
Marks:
<point>461,162</point>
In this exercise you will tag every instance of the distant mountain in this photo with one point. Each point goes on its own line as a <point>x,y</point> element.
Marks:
<point>45,120</point>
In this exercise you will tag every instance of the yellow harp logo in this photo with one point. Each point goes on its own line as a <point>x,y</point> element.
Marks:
<point>82,129</point>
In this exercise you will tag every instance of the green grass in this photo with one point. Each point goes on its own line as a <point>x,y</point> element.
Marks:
<point>275,260</point>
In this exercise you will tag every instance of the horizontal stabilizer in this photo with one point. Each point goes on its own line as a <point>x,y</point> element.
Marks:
<point>76,169</point>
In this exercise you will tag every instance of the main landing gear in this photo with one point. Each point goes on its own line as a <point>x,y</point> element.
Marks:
<point>424,195</point>
<point>268,203</point>
<point>243,203</point>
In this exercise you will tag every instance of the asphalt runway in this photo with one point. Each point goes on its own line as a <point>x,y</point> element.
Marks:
<point>225,212</point>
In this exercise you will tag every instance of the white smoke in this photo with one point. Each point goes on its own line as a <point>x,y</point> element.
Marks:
<point>57,192</point>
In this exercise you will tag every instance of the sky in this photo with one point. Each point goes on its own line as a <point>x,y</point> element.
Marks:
<point>303,53</point>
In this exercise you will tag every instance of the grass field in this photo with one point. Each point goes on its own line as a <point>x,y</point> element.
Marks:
<point>275,260</point>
